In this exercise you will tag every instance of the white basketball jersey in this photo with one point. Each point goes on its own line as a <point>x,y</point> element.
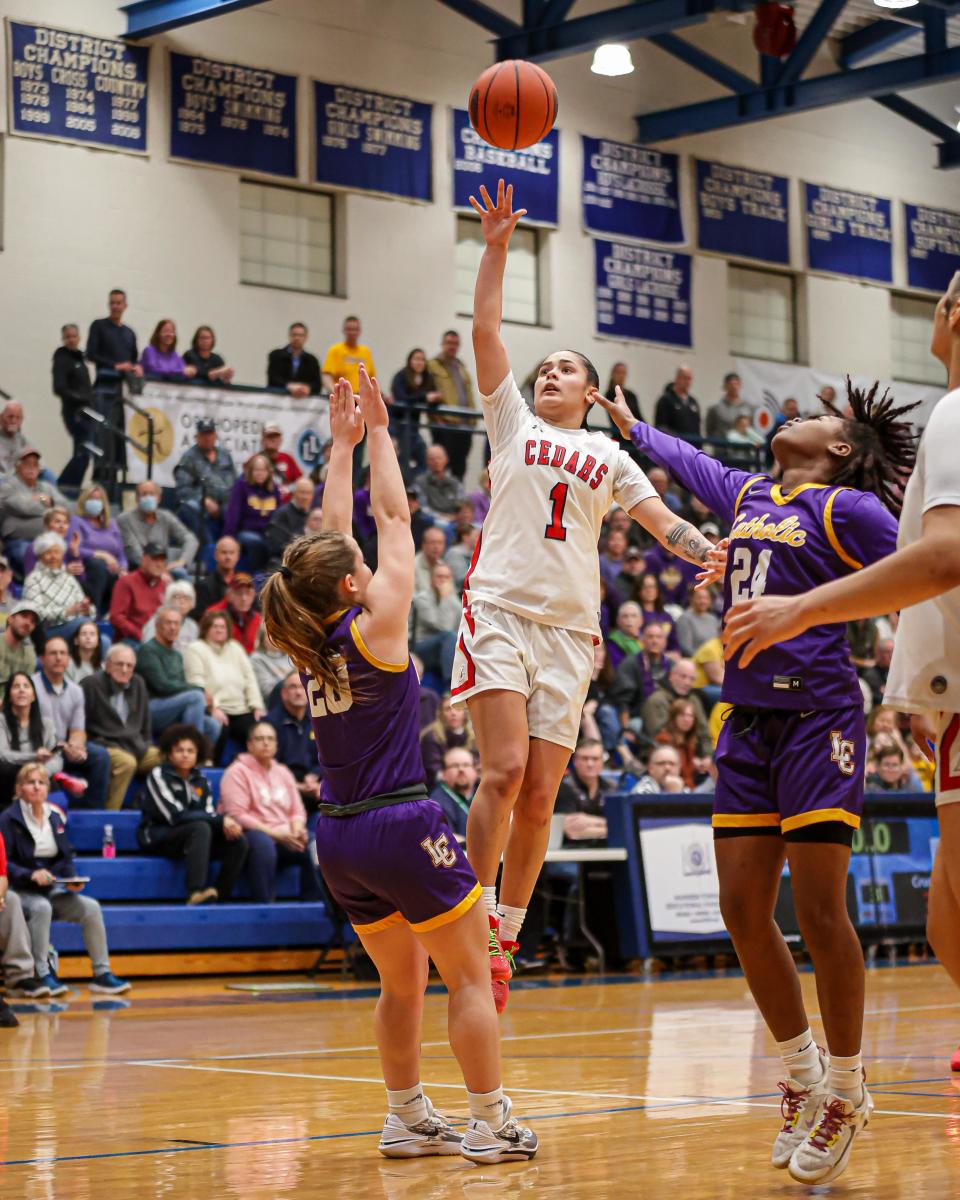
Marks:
<point>925,671</point>
<point>550,489</point>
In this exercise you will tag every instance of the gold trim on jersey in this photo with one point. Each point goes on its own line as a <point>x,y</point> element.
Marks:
<point>333,618</point>
<point>819,815</point>
<point>832,533</point>
<point>744,820</point>
<point>743,491</point>
<point>451,914</point>
<point>776,492</point>
<point>395,918</point>
<point>370,656</point>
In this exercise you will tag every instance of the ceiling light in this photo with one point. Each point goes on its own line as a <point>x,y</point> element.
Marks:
<point>896,3</point>
<point>614,59</point>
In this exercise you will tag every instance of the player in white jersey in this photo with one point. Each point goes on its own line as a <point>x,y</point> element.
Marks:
<point>532,594</point>
<point>923,579</point>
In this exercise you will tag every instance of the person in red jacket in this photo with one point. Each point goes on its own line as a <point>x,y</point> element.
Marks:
<point>286,472</point>
<point>238,602</point>
<point>138,595</point>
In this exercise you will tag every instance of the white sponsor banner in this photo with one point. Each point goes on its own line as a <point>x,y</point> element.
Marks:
<point>683,892</point>
<point>240,418</point>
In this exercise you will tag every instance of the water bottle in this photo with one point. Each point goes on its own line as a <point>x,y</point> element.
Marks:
<point>109,846</point>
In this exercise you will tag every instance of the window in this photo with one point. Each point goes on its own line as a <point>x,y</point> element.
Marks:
<point>286,238</point>
<point>910,321</point>
<point>762,309</point>
<point>521,284</point>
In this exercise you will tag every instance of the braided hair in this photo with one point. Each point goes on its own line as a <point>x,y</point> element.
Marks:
<point>883,447</point>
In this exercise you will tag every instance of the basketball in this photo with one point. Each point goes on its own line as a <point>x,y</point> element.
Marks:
<point>513,104</point>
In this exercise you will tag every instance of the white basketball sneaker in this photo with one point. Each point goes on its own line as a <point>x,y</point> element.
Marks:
<point>800,1107</point>
<point>434,1135</point>
<point>825,1153</point>
<point>512,1142</point>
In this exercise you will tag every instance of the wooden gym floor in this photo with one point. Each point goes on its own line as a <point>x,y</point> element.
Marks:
<point>640,1088</point>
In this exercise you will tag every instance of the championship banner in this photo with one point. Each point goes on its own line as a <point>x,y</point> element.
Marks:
<point>534,172</point>
<point>933,246</point>
<point>643,293</point>
<point>848,233</point>
<point>743,213</point>
<point>630,191</point>
<point>232,116</point>
<point>369,142</point>
<point>76,87</point>
<point>240,416</point>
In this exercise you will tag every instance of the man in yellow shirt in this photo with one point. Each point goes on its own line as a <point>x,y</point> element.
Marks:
<point>343,359</point>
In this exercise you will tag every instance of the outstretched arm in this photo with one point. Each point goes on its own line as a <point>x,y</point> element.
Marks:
<point>346,426</point>
<point>672,532</point>
<point>498,222</point>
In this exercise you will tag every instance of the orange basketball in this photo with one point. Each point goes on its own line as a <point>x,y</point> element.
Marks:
<point>513,104</point>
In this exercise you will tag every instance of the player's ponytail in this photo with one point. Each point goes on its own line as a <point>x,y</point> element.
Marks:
<point>296,599</point>
<point>883,448</point>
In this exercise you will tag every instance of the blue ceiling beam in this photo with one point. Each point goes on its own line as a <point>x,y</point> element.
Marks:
<point>483,15</point>
<point>705,63</point>
<point>804,96</point>
<point>873,39</point>
<point>810,41</point>
<point>147,17</point>
<point>948,149</point>
<point>934,30</point>
<point>555,11</point>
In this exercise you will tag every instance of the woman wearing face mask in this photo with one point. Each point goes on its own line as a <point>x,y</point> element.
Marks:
<point>100,545</point>
<point>148,522</point>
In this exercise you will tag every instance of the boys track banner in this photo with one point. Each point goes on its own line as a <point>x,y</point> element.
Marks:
<point>534,171</point>
<point>643,293</point>
<point>232,116</point>
<point>371,142</point>
<point>742,213</point>
<point>933,246</point>
<point>848,233</point>
<point>630,191</point>
<point>76,87</point>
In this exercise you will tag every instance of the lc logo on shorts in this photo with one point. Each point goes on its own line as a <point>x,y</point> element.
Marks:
<point>439,850</point>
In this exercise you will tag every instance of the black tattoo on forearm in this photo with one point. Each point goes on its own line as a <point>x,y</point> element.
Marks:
<point>688,542</point>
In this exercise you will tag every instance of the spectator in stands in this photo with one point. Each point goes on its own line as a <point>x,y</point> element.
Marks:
<point>675,575</point>
<point>208,367</point>
<point>284,468</point>
<point>160,359</point>
<point>288,521</point>
<point>204,476</point>
<point>296,747</point>
<point>39,859</point>
<point>148,522</point>
<point>722,416</point>
<point>100,545</point>
<point>451,728</point>
<point>434,620</point>
<point>180,818</point>
<point>612,558</point>
<point>789,410</point>
<point>632,568</point>
<point>86,651</point>
<point>293,368</point>
<point>680,732</point>
<point>213,587</point>
<point>450,374</point>
<point>7,598</point>
<point>173,701</point>
<point>663,773</point>
<point>180,595</point>
<point>888,775</point>
<point>57,520</point>
<point>27,736</point>
<point>678,412</point>
<point>639,676</point>
<point>239,603</point>
<point>581,797</point>
<point>661,485</point>
<point>743,432</point>
<point>55,594</point>
<point>138,595</point>
<point>254,498</point>
<point>414,385</point>
<point>708,662</point>
<point>111,345</point>
<point>455,787</point>
<point>16,645</point>
<point>441,493</point>
<point>698,623</point>
<point>679,686</point>
<point>460,555</point>
<point>270,666</point>
<point>618,379</point>
<point>420,521</point>
<point>343,359</point>
<point>262,795</point>
<point>599,720</point>
<point>876,676</point>
<point>19,972</point>
<point>827,396</point>
<point>433,546</point>
<point>219,665</point>
<point>625,639</point>
<point>480,501</point>
<point>24,499</point>
<point>653,610</point>
<point>118,717</point>
<point>61,700</point>
<point>12,440</point>
<point>71,382</point>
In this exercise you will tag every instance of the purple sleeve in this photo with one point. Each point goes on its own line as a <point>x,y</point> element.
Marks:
<point>234,509</point>
<point>709,480</point>
<point>79,525</point>
<point>148,360</point>
<point>859,528</point>
<point>116,548</point>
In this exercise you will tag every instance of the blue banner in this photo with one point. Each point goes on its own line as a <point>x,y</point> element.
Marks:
<point>643,293</point>
<point>743,213</point>
<point>370,142</point>
<point>534,172</point>
<point>233,116</point>
<point>630,191</point>
<point>848,233</point>
<point>75,87</point>
<point>933,246</point>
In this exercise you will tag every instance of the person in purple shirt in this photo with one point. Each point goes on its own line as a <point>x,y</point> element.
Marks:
<point>97,539</point>
<point>254,498</point>
<point>791,757</point>
<point>386,851</point>
<point>160,359</point>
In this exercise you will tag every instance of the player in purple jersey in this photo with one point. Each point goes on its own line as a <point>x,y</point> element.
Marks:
<point>385,849</point>
<point>791,756</point>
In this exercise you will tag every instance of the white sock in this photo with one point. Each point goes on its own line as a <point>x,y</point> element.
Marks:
<point>490,899</point>
<point>409,1104</point>
<point>801,1058</point>
<point>511,922</point>
<point>487,1106</point>
<point>846,1077</point>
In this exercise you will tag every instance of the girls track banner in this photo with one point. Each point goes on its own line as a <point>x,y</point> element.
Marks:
<point>630,191</point>
<point>643,293</point>
<point>233,116</point>
<point>240,416</point>
<point>534,172</point>
<point>848,233</point>
<point>371,142</point>
<point>933,246</point>
<point>76,87</point>
<point>743,213</point>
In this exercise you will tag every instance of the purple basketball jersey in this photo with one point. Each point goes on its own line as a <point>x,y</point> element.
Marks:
<point>368,733</point>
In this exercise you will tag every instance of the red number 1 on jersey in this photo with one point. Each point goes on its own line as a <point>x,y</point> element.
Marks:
<point>556,530</point>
